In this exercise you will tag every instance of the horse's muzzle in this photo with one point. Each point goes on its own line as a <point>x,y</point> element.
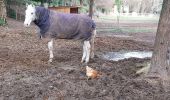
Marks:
<point>26,25</point>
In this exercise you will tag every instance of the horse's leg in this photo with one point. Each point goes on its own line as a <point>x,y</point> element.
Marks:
<point>84,53</point>
<point>88,47</point>
<point>50,47</point>
<point>92,43</point>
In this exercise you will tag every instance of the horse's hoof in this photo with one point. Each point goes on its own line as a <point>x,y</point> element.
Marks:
<point>92,56</point>
<point>86,61</point>
<point>50,61</point>
<point>82,61</point>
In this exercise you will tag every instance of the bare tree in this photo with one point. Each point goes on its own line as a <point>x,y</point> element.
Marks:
<point>160,63</point>
<point>81,2</point>
<point>104,4</point>
<point>143,6</point>
<point>91,8</point>
<point>3,14</point>
<point>156,6</point>
<point>118,4</point>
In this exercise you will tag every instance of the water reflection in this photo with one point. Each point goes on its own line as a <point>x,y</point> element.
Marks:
<point>116,56</point>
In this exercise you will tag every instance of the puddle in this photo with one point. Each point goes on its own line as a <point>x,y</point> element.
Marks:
<point>116,56</point>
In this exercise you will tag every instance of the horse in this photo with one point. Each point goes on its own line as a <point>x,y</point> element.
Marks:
<point>57,25</point>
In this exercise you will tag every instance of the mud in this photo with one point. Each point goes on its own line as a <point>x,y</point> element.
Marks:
<point>26,75</point>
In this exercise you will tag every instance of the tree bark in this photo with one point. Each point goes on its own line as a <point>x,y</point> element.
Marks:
<point>91,8</point>
<point>81,2</point>
<point>160,66</point>
<point>42,3</point>
<point>3,10</point>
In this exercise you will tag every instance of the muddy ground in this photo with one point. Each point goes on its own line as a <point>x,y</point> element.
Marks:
<point>26,75</point>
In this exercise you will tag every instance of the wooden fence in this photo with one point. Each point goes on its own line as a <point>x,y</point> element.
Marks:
<point>15,9</point>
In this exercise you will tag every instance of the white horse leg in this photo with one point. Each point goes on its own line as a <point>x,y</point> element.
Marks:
<point>84,53</point>
<point>50,47</point>
<point>88,47</point>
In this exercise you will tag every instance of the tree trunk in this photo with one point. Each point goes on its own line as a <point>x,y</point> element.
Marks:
<point>160,63</point>
<point>42,3</point>
<point>81,2</point>
<point>3,13</point>
<point>118,17</point>
<point>91,8</point>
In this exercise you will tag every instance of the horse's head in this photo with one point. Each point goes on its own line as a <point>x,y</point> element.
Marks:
<point>30,15</point>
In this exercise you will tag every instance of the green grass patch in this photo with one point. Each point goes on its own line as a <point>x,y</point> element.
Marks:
<point>2,22</point>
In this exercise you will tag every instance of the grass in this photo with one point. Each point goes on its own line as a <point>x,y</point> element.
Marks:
<point>2,22</point>
<point>126,30</point>
<point>131,18</point>
<point>128,19</point>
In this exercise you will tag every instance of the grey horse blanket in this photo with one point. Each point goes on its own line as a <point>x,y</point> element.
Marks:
<point>63,26</point>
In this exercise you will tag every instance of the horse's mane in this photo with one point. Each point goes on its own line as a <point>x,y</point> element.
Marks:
<point>42,19</point>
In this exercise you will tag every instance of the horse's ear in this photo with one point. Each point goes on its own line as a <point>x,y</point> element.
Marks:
<point>27,5</point>
<point>33,5</point>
